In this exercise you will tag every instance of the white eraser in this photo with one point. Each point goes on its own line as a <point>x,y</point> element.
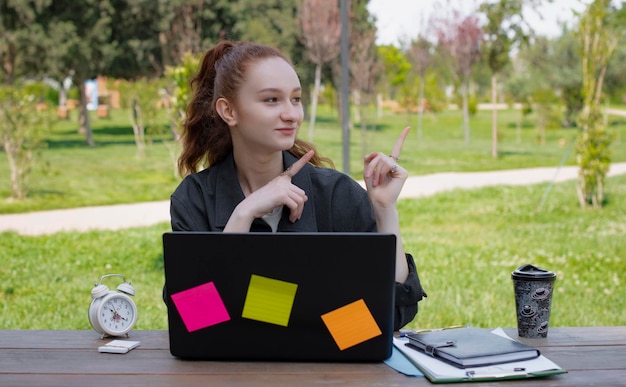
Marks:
<point>118,346</point>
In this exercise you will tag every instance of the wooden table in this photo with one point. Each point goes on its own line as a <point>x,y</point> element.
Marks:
<point>593,356</point>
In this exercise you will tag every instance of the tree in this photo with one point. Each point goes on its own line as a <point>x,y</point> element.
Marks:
<point>16,19</point>
<point>78,45</point>
<point>362,67</point>
<point>189,26</point>
<point>141,98</point>
<point>396,66</point>
<point>273,22</point>
<point>321,30</point>
<point>519,89</point>
<point>21,133</point>
<point>460,37</point>
<point>420,54</point>
<point>563,72</point>
<point>598,43</point>
<point>179,93</point>
<point>179,88</point>
<point>504,30</point>
<point>615,80</point>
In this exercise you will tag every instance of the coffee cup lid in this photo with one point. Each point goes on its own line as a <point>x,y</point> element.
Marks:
<point>533,273</point>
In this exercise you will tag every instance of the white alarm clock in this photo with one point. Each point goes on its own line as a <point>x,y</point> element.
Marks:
<point>112,313</point>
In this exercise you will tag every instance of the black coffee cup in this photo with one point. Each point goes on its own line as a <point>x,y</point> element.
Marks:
<point>533,298</point>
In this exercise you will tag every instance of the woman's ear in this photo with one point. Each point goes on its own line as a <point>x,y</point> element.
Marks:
<point>226,111</point>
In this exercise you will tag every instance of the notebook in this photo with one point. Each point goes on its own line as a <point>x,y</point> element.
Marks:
<point>471,347</point>
<point>280,296</point>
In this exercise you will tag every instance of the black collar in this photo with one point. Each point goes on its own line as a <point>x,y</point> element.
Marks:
<point>228,195</point>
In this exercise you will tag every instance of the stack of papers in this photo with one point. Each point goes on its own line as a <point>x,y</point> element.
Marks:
<point>439,371</point>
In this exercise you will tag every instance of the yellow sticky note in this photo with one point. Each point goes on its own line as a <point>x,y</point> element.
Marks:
<point>351,324</point>
<point>269,300</point>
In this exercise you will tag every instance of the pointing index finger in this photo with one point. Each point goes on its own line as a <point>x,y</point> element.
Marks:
<point>297,166</point>
<point>397,148</point>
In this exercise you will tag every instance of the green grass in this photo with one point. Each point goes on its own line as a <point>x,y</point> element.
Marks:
<point>70,174</point>
<point>465,243</point>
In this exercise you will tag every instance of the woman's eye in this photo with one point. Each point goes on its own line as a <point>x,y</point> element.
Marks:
<point>295,100</point>
<point>271,99</point>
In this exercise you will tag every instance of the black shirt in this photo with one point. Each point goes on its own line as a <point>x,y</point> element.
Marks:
<point>204,201</point>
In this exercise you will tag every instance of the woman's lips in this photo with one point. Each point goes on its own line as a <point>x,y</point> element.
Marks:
<point>287,131</point>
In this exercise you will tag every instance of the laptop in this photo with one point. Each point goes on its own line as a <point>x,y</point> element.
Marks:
<point>280,296</point>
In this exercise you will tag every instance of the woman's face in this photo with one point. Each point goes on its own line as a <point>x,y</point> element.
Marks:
<point>267,111</point>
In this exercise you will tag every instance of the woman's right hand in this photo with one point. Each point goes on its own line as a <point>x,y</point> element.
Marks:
<point>278,192</point>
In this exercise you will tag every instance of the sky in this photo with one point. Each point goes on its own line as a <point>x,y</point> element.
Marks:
<point>402,20</point>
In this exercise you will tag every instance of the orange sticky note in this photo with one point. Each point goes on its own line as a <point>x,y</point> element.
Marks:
<point>351,324</point>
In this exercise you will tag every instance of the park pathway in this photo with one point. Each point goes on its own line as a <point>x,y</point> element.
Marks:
<point>145,214</point>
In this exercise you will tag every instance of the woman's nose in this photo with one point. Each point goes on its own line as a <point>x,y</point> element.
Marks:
<point>291,113</point>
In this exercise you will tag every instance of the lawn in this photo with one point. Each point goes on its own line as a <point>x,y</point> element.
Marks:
<point>70,174</point>
<point>465,243</point>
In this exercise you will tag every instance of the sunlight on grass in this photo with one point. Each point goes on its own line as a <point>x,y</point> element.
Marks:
<point>70,174</point>
<point>465,244</point>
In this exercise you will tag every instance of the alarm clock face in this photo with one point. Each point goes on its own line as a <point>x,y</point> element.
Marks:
<point>117,314</point>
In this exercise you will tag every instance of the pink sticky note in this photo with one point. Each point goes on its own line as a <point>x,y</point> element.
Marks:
<point>200,307</point>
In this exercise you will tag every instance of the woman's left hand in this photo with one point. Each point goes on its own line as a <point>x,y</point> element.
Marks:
<point>384,177</point>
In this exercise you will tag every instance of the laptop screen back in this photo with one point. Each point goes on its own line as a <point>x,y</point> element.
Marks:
<point>280,296</point>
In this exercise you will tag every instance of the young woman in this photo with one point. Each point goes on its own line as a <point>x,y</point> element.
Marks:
<point>241,126</point>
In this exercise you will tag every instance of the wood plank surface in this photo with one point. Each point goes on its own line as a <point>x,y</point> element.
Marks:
<point>591,355</point>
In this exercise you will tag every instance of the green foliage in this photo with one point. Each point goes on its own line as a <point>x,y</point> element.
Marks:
<point>472,102</point>
<point>143,100</point>
<point>505,29</point>
<point>436,101</point>
<point>598,43</point>
<point>21,133</point>
<point>545,102</point>
<point>554,63</point>
<point>593,155</point>
<point>395,63</point>
<point>178,78</point>
<point>272,22</point>
<point>435,96</point>
<point>615,82</point>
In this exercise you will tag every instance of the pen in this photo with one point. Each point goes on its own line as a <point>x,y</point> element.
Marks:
<point>404,333</point>
<point>503,374</point>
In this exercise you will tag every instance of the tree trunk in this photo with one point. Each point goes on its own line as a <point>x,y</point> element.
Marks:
<point>16,172</point>
<point>83,115</point>
<point>363,131</point>
<point>136,119</point>
<point>494,116</point>
<point>316,91</point>
<point>518,128</point>
<point>420,104</point>
<point>356,97</point>
<point>465,92</point>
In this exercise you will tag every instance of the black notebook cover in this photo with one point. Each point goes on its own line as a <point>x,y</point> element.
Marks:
<point>471,347</point>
